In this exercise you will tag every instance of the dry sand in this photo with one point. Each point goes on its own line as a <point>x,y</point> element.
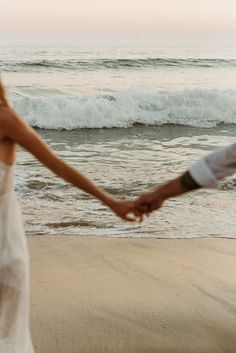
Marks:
<point>101,295</point>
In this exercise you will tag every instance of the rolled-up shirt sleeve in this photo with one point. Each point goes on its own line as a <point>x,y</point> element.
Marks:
<point>208,170</point>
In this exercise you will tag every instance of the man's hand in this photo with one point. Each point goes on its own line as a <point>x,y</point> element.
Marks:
<point>149,202</point>
<point>153,200</point>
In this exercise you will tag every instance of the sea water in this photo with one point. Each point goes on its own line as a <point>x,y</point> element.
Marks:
<point>131,119</point>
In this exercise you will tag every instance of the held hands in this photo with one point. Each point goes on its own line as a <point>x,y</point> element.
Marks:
<point>126,210</point>
<point>153,200</point>
<point>137,210</point>
<point>148,202</point>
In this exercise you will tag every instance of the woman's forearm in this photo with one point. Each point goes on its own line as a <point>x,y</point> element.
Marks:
<point>76,178</point>
<point>21,133</point>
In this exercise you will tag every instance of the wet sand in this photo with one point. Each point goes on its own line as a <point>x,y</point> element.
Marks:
<point>103,295</point>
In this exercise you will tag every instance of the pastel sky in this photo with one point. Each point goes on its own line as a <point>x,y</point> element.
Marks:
<point>117,21</point>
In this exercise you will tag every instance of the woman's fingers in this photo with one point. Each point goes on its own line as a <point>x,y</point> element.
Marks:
<point>131,211</point>
<point>136,216</point>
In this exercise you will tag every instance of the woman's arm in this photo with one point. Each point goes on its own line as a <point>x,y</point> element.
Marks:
<point>15,128</point>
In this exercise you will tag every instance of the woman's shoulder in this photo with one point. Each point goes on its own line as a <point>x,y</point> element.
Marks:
<point>8,115</point>
<point>4,111</point>
<point>3,115</point>
<point>10,122</point>
<point>4,120</point>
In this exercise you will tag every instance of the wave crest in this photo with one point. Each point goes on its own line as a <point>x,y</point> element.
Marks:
<point>197,108</point>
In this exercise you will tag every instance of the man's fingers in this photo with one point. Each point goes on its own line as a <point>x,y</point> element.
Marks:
<point>143,207</point>
<point>146,207</point>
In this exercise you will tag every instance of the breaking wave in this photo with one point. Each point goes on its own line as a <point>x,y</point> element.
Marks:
<point>197,108</point>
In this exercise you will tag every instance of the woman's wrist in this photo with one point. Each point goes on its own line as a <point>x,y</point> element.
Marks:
<point>106,198</point>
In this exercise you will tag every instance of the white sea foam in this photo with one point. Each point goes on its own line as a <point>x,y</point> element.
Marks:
<point>197,108</point>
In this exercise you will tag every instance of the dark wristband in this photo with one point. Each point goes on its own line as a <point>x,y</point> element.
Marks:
<point>188,183</point>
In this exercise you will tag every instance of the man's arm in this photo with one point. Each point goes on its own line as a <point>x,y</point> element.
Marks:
<point>153,200</point>
<point>204,173</point>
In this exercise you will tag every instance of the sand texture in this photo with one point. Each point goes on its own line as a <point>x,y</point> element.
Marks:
<point>102,295</point>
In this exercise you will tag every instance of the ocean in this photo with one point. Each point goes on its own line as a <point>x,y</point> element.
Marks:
<point>130,119</point>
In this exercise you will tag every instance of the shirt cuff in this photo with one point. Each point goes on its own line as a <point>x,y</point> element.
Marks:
<point>202,174</point>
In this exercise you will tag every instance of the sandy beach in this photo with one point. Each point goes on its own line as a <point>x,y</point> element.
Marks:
<point>97,295</point>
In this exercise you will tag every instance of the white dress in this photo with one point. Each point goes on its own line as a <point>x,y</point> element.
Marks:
<point>14,266</point>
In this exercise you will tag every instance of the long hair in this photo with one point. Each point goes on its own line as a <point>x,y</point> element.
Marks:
<point>3,98</point>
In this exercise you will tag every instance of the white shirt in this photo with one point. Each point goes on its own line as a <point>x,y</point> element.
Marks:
<point>215,166</point>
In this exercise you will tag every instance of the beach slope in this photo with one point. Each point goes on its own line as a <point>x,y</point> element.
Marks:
<point>103,295</point>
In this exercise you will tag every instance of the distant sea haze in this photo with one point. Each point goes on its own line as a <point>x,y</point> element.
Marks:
<point>115,64</point>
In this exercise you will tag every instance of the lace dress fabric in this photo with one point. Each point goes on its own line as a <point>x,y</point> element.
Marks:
<point>14,265</point>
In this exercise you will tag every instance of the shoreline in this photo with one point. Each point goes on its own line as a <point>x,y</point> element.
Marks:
<point>94,294</point>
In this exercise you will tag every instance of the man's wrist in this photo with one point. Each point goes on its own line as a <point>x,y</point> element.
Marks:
<point>181,185</point>
<point>188,183</point>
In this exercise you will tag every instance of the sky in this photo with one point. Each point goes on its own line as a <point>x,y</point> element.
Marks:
<point>118,22</point>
